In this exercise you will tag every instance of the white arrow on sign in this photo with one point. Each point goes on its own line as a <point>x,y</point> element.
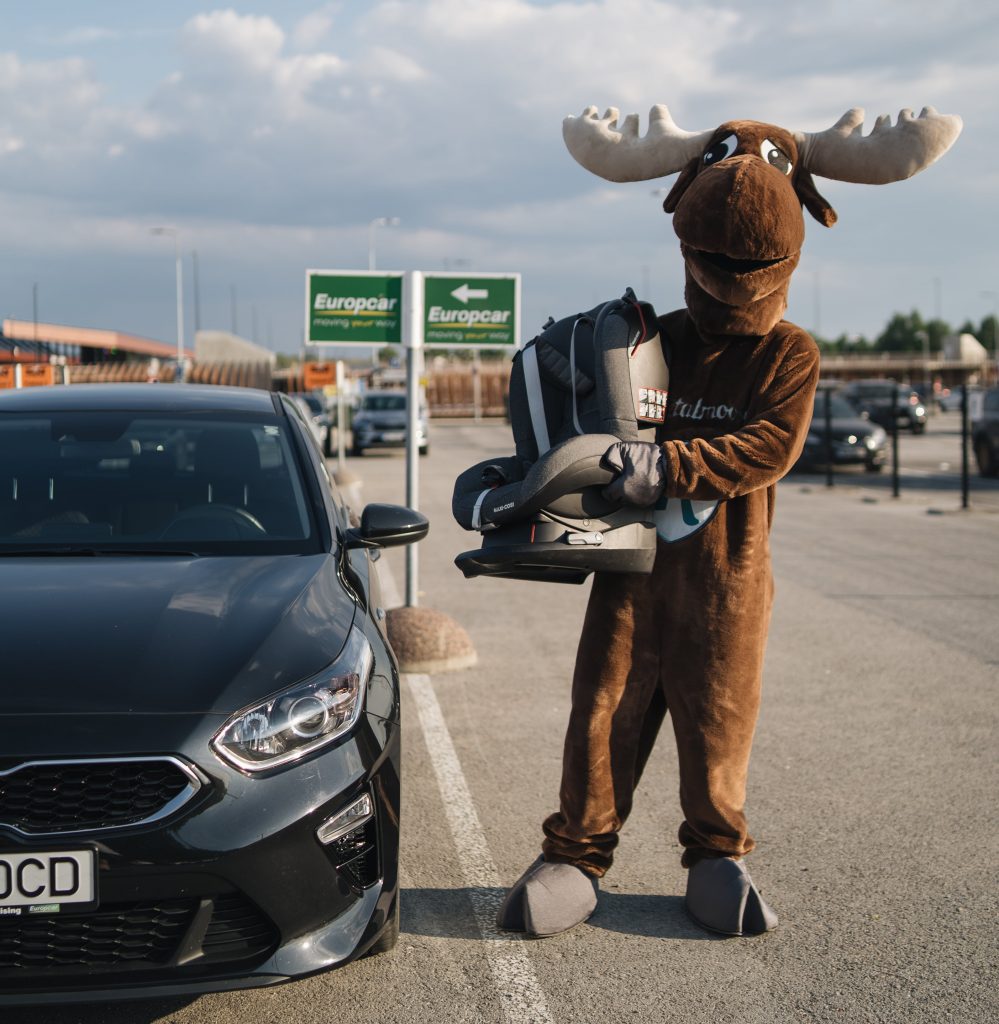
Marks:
<point>464,293</point>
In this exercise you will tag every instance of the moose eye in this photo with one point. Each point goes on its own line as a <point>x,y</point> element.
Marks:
<point>720,150</point>
<point>775,157</point>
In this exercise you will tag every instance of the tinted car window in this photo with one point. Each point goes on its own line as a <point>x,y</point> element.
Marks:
<point>152,481</point>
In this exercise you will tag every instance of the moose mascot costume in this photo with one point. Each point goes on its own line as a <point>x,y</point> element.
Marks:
<point>689,639</point>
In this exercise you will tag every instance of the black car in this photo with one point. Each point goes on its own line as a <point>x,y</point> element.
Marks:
<point>985,432</point>
<point>855,440</point>
<point>199,708</point>
<point>887,403</point>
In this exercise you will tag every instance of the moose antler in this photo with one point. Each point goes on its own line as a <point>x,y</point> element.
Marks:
<point>888,154</point>
<point>620,154</point>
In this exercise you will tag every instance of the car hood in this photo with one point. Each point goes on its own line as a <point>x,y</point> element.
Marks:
<point>164,635</point>
<point>842,427</point>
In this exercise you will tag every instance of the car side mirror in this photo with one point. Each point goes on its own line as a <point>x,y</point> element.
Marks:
<point>386,526</point>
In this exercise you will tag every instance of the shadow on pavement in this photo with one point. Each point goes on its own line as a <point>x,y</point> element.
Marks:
<point>448,914</point>
<point>138,1012</point>
<point>647,916</point>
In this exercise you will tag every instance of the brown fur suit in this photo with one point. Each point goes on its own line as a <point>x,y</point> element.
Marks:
<point>689,639</point>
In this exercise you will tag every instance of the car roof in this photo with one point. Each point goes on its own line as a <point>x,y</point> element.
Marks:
<point>137,397</point>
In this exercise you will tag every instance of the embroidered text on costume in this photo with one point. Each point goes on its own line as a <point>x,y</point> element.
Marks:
<point>699,411</point>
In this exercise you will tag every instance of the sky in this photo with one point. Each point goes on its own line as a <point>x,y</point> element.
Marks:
<point>270,135</point>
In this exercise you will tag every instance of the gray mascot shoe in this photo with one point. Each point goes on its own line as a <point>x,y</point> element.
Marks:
<point>722,898</point>
<point>548,899</point>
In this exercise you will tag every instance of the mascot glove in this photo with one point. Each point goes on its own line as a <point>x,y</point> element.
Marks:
<point>641,475</point>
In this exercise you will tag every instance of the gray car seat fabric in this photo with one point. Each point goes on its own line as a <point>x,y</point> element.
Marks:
<point>574,391</point>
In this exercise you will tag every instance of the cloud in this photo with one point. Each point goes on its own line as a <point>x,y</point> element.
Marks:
<point>287,135</point>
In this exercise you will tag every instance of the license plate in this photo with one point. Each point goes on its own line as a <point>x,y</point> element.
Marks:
<point>43,883</point>
<point>394,435</point>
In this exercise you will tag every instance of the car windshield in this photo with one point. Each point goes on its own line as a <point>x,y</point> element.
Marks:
<point>841,408</point>
<point>105,481</point>
<point>384,403</point>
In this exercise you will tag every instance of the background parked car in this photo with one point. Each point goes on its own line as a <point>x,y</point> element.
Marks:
<point>855,439</point>
<point>887,402</point>
<point>985,434</point>
<point>315,417</point>
<point>380,422</point>
<point>199,774</point>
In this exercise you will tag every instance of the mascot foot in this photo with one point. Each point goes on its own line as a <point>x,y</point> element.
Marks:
<point>548,898</point>
<point>722,898</point>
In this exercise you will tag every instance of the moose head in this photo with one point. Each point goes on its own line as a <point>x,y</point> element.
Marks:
<point>737,202</point>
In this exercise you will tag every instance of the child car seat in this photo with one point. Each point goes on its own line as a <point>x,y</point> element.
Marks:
<point>585,382</point>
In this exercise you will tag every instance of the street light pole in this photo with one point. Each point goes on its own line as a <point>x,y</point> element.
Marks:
<point>378,222</point>
<point>180,294</point>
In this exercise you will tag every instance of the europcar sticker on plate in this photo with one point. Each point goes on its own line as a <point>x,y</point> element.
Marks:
<point>47,882</point>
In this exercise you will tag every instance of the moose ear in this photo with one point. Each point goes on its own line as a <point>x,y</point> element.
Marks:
<point>815,204</point>
<point>680,185</point>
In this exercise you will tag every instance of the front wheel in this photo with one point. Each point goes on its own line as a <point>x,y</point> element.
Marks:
<point>425,449</point>
<point>874,467</point>
<point>389,937</point>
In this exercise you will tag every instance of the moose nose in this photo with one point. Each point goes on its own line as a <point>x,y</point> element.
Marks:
<point>741,207</point>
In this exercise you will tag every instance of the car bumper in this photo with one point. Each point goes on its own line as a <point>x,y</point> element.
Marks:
<point>844,455</point>
<point>235,890</point>
<point>385,439</point>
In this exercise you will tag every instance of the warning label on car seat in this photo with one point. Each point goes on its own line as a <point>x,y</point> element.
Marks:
<point>652,405</point>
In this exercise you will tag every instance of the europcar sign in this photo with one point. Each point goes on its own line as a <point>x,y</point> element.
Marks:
<point>471,311</point>
<point>353,307</point>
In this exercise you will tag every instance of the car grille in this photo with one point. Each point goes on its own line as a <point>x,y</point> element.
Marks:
<point>134,936</point>
<point>57,797</point>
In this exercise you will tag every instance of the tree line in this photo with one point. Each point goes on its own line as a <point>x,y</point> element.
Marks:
<point>909,332</point>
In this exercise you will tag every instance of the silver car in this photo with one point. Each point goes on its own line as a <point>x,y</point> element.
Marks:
<point>380,422</point>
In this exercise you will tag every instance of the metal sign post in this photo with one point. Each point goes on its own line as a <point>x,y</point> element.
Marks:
<point>341,421</point>
<point>414,359</point>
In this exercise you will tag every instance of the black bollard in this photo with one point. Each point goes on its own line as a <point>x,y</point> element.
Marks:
<point>965,439</point>
<point>894,444</point>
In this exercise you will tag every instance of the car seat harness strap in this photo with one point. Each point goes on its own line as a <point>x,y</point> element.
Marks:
<point>477,510</point>
<point>535,400</point>
<point>572,373</point>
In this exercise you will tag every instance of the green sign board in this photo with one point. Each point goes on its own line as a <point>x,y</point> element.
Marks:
<point>353,307</point>
<point>471,311</point>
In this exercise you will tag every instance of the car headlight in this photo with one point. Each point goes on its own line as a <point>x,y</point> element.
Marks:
<point>876,438</point>
<point>303,718</point>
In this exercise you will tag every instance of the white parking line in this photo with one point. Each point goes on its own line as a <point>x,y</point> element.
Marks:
<point>516,984</point>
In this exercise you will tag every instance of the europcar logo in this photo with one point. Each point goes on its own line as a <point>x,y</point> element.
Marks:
<point>354,304</point>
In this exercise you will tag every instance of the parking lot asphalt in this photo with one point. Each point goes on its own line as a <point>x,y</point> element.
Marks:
<point>872,791</point>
